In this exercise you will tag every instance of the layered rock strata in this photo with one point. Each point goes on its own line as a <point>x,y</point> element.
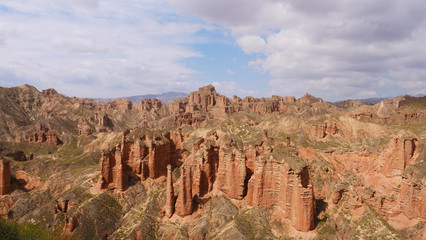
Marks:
<point>184,203</point>
<point>138,156</point>
<point>398,155</point>
<point>286,185</point>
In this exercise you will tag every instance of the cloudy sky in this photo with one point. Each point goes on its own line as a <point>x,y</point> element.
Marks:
<point>334,49</point>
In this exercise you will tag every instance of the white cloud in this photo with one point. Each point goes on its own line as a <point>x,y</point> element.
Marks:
<point>252,44</point>
<point>333,48</point>
<point>229,71</point>
<point>91,48</point>
<point>231,88</point>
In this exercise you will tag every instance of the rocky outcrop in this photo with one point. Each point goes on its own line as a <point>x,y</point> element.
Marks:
<point>42,134</point>
<point>231,173</point>
<point>121,104</point>
<point>184,203</point>
<point>140,154</point>
<point>149,105</point>
<point>268,105</point>
<point>170,195</point>
<point>321,131</point>
<point>398,155</point>
<point>309,99</point>
<point>413,192</point>
<point>202,100</point>
<point>350,103</point>
<point>207,100</point>
<point>194,120</point>
<point>205,159</point>
<point>52,93</point>
<point>285,184</point>
<point>4,176</point>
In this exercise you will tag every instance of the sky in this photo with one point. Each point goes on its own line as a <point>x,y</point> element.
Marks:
<point>333,49</point>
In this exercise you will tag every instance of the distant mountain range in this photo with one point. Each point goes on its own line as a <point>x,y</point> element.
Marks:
<point>376,100</point>
<point>373,100</point>
<point>163,97</point>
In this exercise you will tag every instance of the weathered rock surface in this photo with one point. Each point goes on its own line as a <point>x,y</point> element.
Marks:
<point>282,182</point>
<point>321,131</point>
<point>184,203</point>
<point>4,176</point>
<point>42,134</point>
<point>413,192</point>
<point>141,154</point>
<point>170,195</point>
<point>398,155</point>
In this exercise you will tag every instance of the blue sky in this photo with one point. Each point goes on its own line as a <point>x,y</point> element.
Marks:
<point>334,49</point>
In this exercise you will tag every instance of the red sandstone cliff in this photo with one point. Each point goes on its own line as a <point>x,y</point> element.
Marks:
<point>398,154</point>
<point>139,155</point>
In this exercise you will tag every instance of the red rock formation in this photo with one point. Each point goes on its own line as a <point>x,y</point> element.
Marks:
<point>263,186</point>
<point>413,195</point>
<point>350,103</point>
<point>206,99</point>
<point>170,195</point>
<point>52,93</point>
<point>178,106</point>
<point>42,135</point>
<point>321,131</point>
<point>275,184</point>
<point>302,213</point>
<point>121,104</point>
<point>104,121</point>
<point>190,119</point>
<point>231,173</point>
<point>184,204</point>
<point>148,104</point>
<point>398,155</point>
<point>205,159</point>
<point>29,182</point>
<point>144,155</point>
<point>4,176</point>
<point>309,99</point>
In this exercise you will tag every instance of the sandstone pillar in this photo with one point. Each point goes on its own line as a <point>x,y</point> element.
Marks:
<point>184,202</point>
<point>121,178</point>
<point>106,170</point>
<point>4,176</point>
<point>302,214</point>
<point>170,195</point>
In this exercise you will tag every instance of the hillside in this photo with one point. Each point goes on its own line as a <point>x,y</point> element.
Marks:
<point>206,166</point>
